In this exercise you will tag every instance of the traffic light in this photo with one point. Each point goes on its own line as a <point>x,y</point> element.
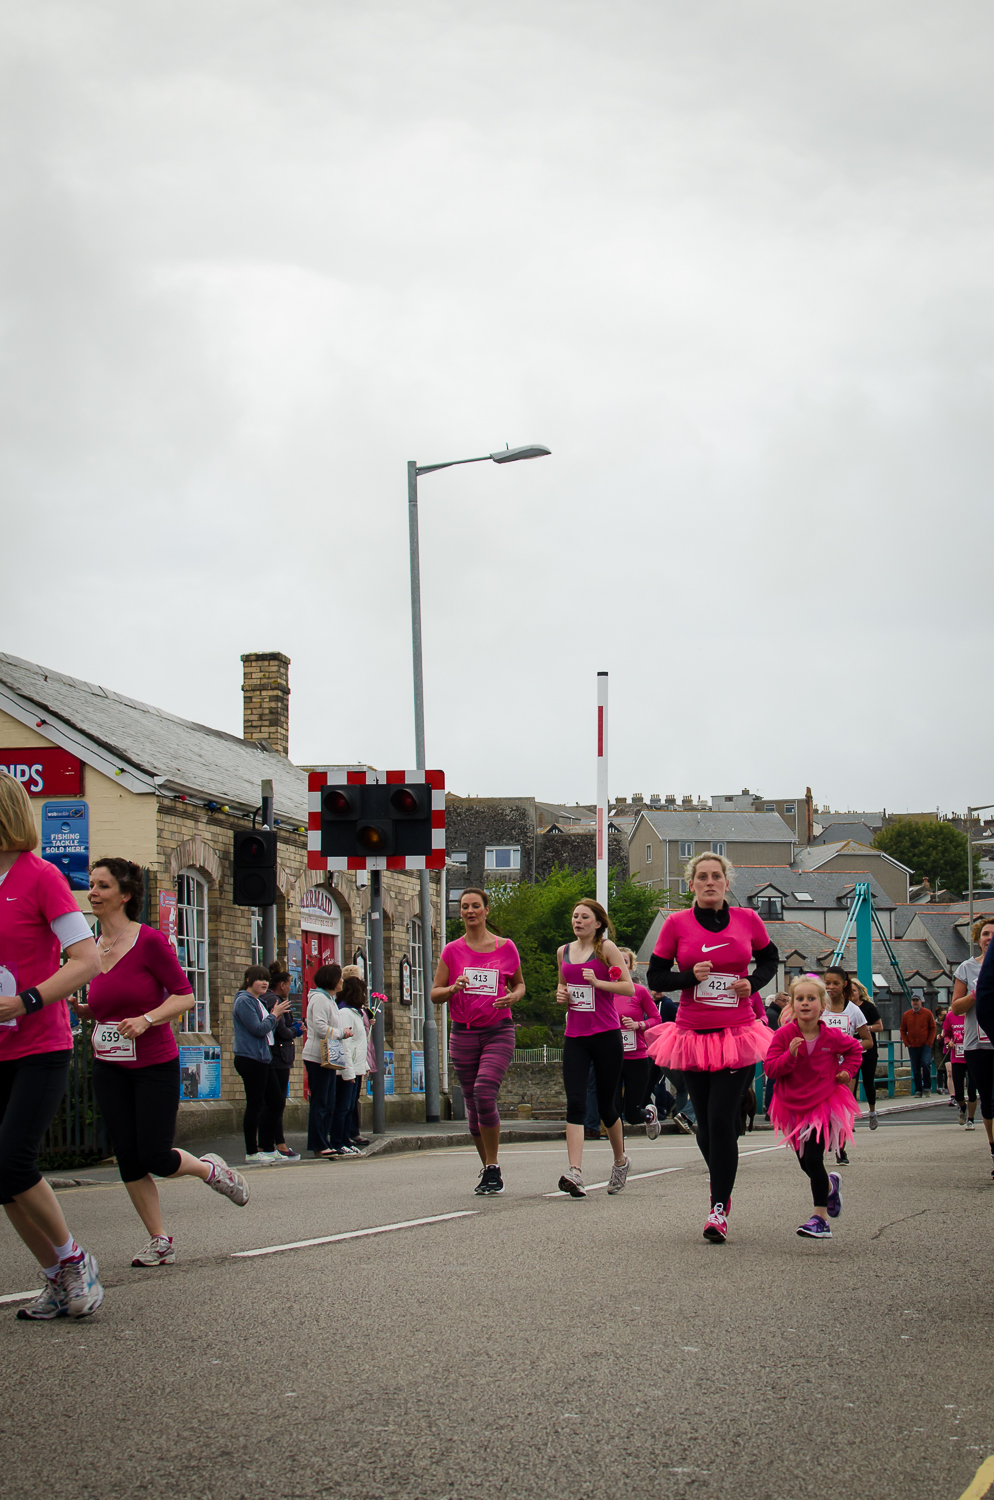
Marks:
<point>390,820</point>
<point>254,860</point>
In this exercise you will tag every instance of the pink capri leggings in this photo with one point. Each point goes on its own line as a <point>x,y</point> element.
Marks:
<point>481,1055</point>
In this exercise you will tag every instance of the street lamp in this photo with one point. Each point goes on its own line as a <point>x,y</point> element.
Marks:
<point>502,456</point>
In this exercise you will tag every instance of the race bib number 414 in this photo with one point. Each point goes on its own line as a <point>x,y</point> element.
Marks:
<point>581,996</point>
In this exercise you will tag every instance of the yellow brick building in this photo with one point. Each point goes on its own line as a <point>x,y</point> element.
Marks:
<point>170,794</point>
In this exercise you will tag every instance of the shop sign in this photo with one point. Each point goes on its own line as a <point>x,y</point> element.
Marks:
<point>318,912</point>
<point>46,772</point>
<point>167,917</point>
<point>65,841</point>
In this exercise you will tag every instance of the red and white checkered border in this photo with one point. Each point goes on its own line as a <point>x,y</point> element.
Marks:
<point>318,780</point>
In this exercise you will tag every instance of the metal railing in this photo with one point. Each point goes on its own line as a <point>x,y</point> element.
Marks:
<point>77,1136</point>
<point>538,1054</point>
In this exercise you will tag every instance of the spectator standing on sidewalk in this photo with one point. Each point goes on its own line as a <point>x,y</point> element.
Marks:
<point>253,1026</point>
<point>918,1034</point>
<point>284,1050</point>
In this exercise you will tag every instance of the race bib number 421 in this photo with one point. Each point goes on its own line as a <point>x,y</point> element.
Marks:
<point>717,990</point>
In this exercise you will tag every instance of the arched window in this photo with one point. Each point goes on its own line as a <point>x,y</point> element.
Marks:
<point>191,942</point>
<point>417,985</point>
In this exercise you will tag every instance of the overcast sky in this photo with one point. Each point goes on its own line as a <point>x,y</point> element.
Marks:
<point>732,262</point>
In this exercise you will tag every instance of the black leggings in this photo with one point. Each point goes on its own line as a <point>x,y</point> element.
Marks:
<point>31,1090</point>
<point>717,1100</point>
<point>263,1106</point>
<point>281,1072</point>
<point>980,1063</point>
<point>812,1160</point>
<point>868,1073</point>
<point>960,1076</point>
<point>604,1049</point>
<point>633,1087</point>
<point>139,1108</point>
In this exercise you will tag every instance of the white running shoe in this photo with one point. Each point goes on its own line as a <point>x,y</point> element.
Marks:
<point>261,1158</point>
<point>226,1181</point>
<point>651,1122</point>
<point>572,1182</point>
<point>78,1279</point>
<point>158,1252</point>
<point>49,1303</point>
<point>619,1175</point>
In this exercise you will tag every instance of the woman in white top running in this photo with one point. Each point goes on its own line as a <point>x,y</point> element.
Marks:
<point>842,1013</point>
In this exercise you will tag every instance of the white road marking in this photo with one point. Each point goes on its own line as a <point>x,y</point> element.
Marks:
<point>19,1296</point>
<point>352,1234</point>
<point>632,1177</point>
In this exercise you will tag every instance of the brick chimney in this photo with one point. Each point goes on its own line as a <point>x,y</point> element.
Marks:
<point>266,709</point>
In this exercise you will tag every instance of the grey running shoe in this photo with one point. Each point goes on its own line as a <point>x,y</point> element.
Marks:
<point>49,1303</point>
<point>83,1291</point>
<point>651,1122</point>
<point>619,1175</point>
<point>571,1182</point>
<point>873,1122</point>
<point>158,1252</point>
<point>962,1117</point>
<point>970,1125</point>
<point>226,1181</point>
<point>683,1124</point>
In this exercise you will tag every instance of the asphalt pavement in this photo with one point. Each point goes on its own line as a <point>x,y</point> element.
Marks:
<point>526,1346</point>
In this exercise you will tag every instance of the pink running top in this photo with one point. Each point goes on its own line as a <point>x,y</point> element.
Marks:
<point>488,974</point>
<point>807,1081</point>
<point>142,978</point>
<point>730,952</point>
<point>589,1009</point>
<point>641,1008</point>
<point>32,896</point>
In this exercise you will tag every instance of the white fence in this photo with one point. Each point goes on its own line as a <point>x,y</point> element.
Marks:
<point>538,1054</point>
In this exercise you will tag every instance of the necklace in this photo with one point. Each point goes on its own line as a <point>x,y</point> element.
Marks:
<point>106,948</point>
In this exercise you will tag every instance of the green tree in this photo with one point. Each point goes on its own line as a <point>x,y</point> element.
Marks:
<point>933,850</point>
<point>537,919</point>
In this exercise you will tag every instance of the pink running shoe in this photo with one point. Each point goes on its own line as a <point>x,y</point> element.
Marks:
<point>716,1228</point>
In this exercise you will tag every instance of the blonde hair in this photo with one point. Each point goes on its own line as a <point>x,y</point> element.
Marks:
<point>628,956</point>
<point>728,869</point>
<point>18,830</point>
<point>863,992</point>
<point>787,1014</point>
<point>352,971</point>
<point>979,926</point>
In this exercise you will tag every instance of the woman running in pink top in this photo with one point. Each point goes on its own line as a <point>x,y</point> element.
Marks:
<point>637,1016</point>
<point>717,1037</point>
<point>479,976</point>
<point>813,1107</point>
<point>592,977</point>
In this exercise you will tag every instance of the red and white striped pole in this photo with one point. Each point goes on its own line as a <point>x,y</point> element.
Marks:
<point>602,812</point>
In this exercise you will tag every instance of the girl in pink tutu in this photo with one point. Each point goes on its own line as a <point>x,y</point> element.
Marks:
<point>717,1037</point>
<point>813,1106</point>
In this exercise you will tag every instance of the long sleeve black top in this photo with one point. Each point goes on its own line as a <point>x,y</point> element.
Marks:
<point>662,977</point>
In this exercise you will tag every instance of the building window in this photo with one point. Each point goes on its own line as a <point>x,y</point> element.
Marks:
<point>683,888</point>
<point>256,942</point>
<point>788,807</point>
<point>417,984</point>
<point>454,896</point>
<point>191,942</point>
<point>793,970</point>
<point>462,858</point>
<point>718,848</point>
<point>770,908</point>
<point>648,854</point>
<point>503,857</point>
<point>686,848</point>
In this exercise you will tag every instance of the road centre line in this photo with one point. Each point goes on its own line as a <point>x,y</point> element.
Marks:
<point>19,1296</point>
<point>353,1234</point>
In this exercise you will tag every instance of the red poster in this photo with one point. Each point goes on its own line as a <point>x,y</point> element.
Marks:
<point>167,915</point>
<point>45,772</point>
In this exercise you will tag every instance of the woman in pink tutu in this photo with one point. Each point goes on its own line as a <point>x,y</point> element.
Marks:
<point>813,1105</point>
<point>717,1037</point>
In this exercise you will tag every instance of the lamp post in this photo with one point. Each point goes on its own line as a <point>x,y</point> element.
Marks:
<point>414,470</point>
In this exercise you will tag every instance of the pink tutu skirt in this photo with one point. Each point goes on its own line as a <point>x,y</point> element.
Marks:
<point>831,1121</point>
<point>681,1050</point>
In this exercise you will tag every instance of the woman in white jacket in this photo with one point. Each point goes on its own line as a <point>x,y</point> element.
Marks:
<point>323,1023</point>
<point>350,1001</point>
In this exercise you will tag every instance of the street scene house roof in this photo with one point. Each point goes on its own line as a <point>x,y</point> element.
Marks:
<point>827,889</point>
<point>731,827</point>
<point>945,932</point>
<point>170,754</point>
<point>814,855</point>
<point>837,833</point>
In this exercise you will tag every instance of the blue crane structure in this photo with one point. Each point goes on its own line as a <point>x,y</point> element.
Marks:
<point>862,916</point>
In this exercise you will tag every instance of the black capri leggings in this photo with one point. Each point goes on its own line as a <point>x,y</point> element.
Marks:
<point>868,1073</point>
<point>139,1108</point>
<point>263,1105</point>
<point>634,1086</point>
<point>717,1100</point>
<point>959,1078</point>
<point>812,1160</point>
<point>605,1050</point>
<point>31,1090</point>
<point>980,1063</point>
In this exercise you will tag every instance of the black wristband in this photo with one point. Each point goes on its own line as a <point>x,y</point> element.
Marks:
<point>31,1000</point>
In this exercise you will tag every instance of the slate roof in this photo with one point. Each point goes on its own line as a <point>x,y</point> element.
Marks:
<point>827,887</point>
<point>812,856</point>
<point>836,833</point>
<point>983,902</point>
<point>942,929</point>
<point>731,827</point>
<point>175,754</point>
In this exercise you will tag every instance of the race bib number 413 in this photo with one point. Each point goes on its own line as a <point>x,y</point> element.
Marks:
<point>481,981</point>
